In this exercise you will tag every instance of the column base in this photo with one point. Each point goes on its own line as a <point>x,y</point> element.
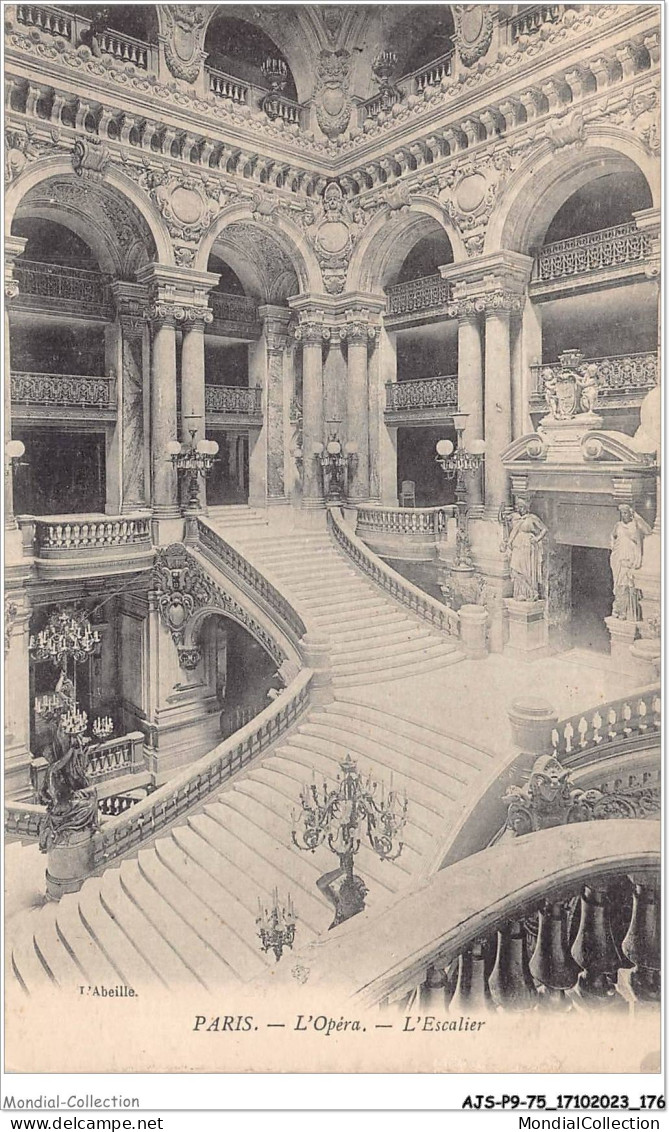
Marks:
<point>278,501</point>
<point>623,634</point>
<point>528,631</point>
<point>312,503</point>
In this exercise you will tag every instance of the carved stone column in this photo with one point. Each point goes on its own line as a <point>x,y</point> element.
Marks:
<point>275,321</point>
<point>14,246</point>
<point>193,380</point>
<point>17,694</point>
<point>359,334</point>
<point>500,306</point>
<point>130,302</point>
<point>470,390</point>
<point>383,437</point>
<point>310,333</point>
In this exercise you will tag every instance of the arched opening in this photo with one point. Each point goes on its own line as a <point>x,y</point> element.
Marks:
<point>244,674</point>
<point>427,360</point>
<point>78,239</point>
<point>240,49</point>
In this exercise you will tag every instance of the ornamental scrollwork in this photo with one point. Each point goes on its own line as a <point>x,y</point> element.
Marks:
<point>184,39</point>
<point>474,25</point>
<point>333,227</point>
<point>548,799</point>
<point>90,158</point>
<point>331,97</point>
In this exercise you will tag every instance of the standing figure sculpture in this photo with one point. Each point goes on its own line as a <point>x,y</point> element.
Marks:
<point>525,550</point>
<point>626,557</point>
<point>71,801</point>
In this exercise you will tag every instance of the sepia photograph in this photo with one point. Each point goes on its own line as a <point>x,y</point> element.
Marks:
<point>332,551</point>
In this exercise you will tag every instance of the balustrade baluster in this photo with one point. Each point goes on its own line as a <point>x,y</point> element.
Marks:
<point>552,965</point>
<point>583,728</point>
<point>471,989</point>
<point>597,724</point>
<point>511,986</point>
<point>568,736</point>
<point>642,944</point>
<point>433,993</point>
<point>595,949</point>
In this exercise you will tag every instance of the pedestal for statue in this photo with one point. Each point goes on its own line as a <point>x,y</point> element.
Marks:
<point>646,654</point>
<point>68,866</point>
<point>473,626</point>
<point>528,630</point>
<point>623,634</point>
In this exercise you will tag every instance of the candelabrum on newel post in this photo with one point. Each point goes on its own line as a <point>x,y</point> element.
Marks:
<point>193,459</point>
<point>338,462</point>
<point>276,924</point>
<point>342,816</point>
<point>456,463</point>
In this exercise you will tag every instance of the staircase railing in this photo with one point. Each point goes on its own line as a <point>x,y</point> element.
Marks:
<point>393,583</point>
<point>409,521</point>
<point>608,724</point>
<point>492,929</point>
<point>159,809</point>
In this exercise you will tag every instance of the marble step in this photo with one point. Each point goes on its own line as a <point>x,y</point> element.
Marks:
<point>419,649</point>
<point>385,621</point>
<point>405,672</point>
<point>137,966</point>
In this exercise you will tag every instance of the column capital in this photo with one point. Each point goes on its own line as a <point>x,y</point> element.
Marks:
<point>276,326</point>
<point>130,300</point>
<point>14,247</point>
<point>177,294</point>
<point>357,331</point>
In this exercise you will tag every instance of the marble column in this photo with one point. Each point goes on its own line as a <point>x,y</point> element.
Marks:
<point>275,324</point>
<point>528,353</point>
<point>359,334</point>
<point>192,383</point>
<point>383,370</point>
<point>17,694</point>
<point>130,302</point>
<point>498,397</point>
<point>470,393</point>
<point>164,498</point>
<point>14,246</point>
<point>310,333</point>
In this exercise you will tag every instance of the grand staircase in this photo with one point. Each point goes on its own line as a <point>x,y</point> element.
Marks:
<point>183,911</point>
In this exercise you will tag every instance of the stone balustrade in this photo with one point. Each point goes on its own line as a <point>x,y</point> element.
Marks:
<point>230,560</point>
<point>607,725</point>
<point>422,393</point>
<point>74,533</point>
<point>225,86</point>
<point>233,399</point>
<point>51,390</point>
<point>416,296</point>
<point>592,251</point>
<point>124,47</point>
<point>275,104</point>
<point>533,19</point>
<point>623,374</point>
<point>116,756</point>
<point>415,599</point>
<point>50,283</point>
<point>159,809</point>
<point>22,820</point>
<point>407,521</point>
<point>490,931</point>
<point>433,73</point>
<point>44,18</point>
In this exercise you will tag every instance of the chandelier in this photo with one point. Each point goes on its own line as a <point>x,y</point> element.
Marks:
<point>193,459</point>
<point>383,67</point>
<point>67,635</point>
<point>351,810</point>
<point>276,925</point>
<point>457,461</point>
<point>275,72</point>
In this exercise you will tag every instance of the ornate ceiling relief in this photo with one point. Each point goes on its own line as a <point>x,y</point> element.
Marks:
<point>184,43</point>
<point>333,227</point>
<point>270,263</point>
<point>468,192</point>
<point>333,104</point>
<point>473,31</point>
<point>640,113</point>
<point>188,202</point>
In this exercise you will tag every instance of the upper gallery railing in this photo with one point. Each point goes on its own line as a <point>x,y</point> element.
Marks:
<point>65,25</point>
<point>62,389</point>
<point>426,294</point>
<point>233,399</point>
<point>417,600</point>
<point>80,532</point>
<point>124,47</point>
<point>45,18</point>
<point>422,393</point>
<point>592,251</point>
<point>275,104</point>
<point>624,373</point>
<point>534,18</point>
<point>233,308</point>
<point>403,520</point>
<point>414,83</point>
<point>432,73</point>
<point>89,289</point>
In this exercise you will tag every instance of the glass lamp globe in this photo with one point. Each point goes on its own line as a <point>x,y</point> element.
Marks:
<point>317,449</point>
<point>173,448</point>
<point>350,448</point>
<point>476,447</point>
<point>444,447</point>
<point>15,449</point>
<point>334,447</point>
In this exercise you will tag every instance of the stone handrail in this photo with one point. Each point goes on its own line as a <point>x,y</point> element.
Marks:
<point>231,559</point>
<point>592,251</point>
<point>22,819</point>
<point>471,899</point>
<point>404,520</point>
<point>60,533</point>
<point>61,389</point>
<point>533,19</point>
<point>233,399</point>
<point>154,813</point>
<point>422,393</point>
<point>609,724</point>
<point>415,599</point>
<point>430,292</point>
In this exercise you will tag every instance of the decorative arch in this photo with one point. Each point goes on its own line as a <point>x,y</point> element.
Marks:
<point>291,31</point>
<point>542,184</point>
<point>270,256</point>
<point>390,237</point>
<point>192,636</point>
<point>124,210</point>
